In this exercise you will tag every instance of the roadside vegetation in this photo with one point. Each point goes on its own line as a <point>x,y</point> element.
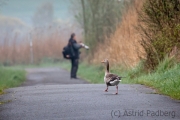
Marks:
<point>165,79</point>
<point>10,77</point>
<point>159,25</point>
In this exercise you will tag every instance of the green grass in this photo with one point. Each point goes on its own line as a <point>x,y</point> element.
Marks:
<point>165,82</point>
<point>165,79</point>
<point>10,77</point>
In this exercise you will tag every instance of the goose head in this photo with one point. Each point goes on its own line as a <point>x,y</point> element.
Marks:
<point>106,62</point>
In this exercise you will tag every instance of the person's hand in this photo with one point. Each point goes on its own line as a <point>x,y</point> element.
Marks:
<point>82,45</point>
<point>87,47</point>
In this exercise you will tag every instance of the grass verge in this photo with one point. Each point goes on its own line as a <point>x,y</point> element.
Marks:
<point>165,79</point>
<point>11,78</point>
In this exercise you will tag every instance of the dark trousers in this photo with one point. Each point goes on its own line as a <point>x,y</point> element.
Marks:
<point>74,67</point>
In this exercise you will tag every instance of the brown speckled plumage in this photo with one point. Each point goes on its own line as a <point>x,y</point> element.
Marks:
<point>109,78</point>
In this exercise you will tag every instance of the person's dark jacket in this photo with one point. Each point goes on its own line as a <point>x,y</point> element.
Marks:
<point>74,48</point>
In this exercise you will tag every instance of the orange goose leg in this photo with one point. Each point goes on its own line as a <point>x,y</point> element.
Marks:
<point>117,90</point>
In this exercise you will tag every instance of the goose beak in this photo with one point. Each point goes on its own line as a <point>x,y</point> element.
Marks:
<point>102,62</point>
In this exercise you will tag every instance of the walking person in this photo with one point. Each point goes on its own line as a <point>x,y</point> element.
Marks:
<point>75,53</point>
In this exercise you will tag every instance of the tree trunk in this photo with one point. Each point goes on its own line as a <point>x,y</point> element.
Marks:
<point>84,18</point>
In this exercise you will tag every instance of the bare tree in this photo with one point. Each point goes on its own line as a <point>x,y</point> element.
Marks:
<point>100,18</point>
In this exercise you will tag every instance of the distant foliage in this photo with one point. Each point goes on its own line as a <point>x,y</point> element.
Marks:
<point>159,24</point>
<point>99,19</point>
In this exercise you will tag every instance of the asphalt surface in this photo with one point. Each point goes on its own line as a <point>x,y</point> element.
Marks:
<point>49,94</point>
<point>49,76</point>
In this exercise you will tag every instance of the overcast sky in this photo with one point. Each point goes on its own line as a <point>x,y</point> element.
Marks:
<point>25,9</point>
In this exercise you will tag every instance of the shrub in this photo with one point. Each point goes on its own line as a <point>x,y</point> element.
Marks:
<point>159,25</point>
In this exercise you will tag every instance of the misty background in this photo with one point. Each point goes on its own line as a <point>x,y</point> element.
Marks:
<point>21,16</point>
<point>27,23</point>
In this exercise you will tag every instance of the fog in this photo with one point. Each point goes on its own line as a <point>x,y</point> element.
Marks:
<point>40,22</point>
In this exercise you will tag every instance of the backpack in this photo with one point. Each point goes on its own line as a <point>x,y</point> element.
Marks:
<point>68,50</point>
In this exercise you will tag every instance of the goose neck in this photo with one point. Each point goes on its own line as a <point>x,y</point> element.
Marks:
<point>107,67</point>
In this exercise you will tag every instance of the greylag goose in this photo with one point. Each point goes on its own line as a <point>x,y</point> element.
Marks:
<point>109,78</point>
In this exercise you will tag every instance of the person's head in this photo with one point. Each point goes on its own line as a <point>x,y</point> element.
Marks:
<point>73,36</point>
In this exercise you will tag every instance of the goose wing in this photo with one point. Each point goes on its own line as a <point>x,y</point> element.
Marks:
<point>111,77</point>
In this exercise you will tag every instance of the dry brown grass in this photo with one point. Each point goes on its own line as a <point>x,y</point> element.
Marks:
<point>123,47</point>
<point>49,46</point>
<point>46,44</point>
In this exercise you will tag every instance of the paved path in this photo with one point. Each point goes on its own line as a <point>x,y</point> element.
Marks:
<point>49,76</point>
<point>49,94</point>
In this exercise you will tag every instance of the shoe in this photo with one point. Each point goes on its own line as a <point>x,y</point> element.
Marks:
<point>74,78</point>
